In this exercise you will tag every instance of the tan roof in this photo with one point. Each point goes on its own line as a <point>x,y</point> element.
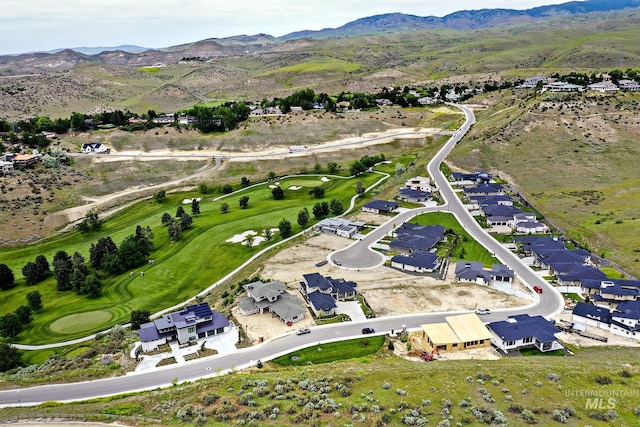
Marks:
<point>23,157</point>
<point>458,329</point>
<point>440,333</point>
<point>468,327</point>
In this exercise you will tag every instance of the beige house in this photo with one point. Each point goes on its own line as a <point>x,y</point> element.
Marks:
<point>459,332</point>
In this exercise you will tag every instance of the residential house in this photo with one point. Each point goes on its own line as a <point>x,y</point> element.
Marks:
<point>532,244</point>
<point>322,305</point>
<point>419,183</point>
<point>339,226</point>
<point>410,195</point>
<point>94,147</point>
<point>472,272</point>
<point>502,273</point>
<point>468,179</point>
<point>339,289</point>
<point>606,86</point>
<point>502,200</point>
<point>584,314</point>
<point>380,206</point>
<point>629,85</point>
<point>25,159</point>
<point>458,332</point>
<point>610,292</point>
<point>272,297</point>
<point>417,262</point>
<point>6,167</point>
<point>625,320</point>
<point>165,119</point>
<point>562,87</point>
<point>484,190</point>
<point>523,331</point>
<point>413,237</point>
<point>531,82</point>
<point>186,326</point>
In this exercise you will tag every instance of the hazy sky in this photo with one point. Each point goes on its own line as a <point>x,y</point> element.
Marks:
<point>40,25</point>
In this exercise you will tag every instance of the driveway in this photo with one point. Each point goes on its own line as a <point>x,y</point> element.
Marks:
<point>352,309</point>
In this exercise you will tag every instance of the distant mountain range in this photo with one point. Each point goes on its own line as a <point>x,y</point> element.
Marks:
<point>209,49</point>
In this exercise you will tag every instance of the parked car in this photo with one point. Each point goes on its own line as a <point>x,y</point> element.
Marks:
<point>337,262</point>
<point>303,331</point>
<point>538,289</point>
<point>368,331</point>
<point>483,311</point>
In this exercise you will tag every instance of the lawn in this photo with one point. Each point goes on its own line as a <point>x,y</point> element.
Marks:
<point>330,352</point>
<point>183,269</point>
<point>468,247</point>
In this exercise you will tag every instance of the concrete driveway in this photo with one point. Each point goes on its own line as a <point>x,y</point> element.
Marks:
<point>352,309</point>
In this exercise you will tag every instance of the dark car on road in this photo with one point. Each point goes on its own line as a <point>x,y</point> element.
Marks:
<point>368,331</point>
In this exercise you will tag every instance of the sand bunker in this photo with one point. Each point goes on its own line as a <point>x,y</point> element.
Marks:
<point>189,201</point>
<point>255,240</point>
<point>325,179</point>
<point>294,187</point>
<point>239,238</point>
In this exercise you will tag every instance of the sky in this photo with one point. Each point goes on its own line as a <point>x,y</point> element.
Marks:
<point>41,25</point>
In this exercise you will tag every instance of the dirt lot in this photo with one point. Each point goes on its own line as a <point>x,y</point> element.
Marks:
<point>388,291</point>
<point>580,341</point>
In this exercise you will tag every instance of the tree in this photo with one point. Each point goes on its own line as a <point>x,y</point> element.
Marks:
<point>43,266</point>
<point>34,300</point>
<point>268,234</point>
<point>321,210</point>
<point>166,219</point>
<point>7,279</point>
<point>92,286</point>
<point>249,239</point>
<point>224,208</point>
<point>10,325</point>
<point>360,188</point>
<point>91,222</point>
<point>317,168</point>
<point>31,273</point>
<point>244,182</point>
<point>285,228</point>
<point>130,254</point>
<point>160,196</point>
<point>244,202</point>
<point>332,167</point>
<point>24,313</point>
<point>10,357</point>
<point>174,232</point>
<point>144,240</point>
<point>79,274</point>
<point>138,317</point>
<point>318,192</point>
<point>227,189</point>
<point>62,270</point>
<point>336,207</point>
<point>179,212</point>
<point>303,217</point>
<point>357,168</point>
<point>271,175</point>
<point>97,253</point>
<point>185,221</point>
<point>278,193</point>
<point>195,207</point>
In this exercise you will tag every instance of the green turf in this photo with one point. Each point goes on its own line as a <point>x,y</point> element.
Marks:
<point>329,352</point>
<point>182,269</point>
<point>80,322</point>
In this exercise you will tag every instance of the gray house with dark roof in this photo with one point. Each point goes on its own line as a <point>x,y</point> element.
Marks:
<point>469,271</point>
<point>417,262</point>
<point>323,293</point>
<point>524,331</point>
<point>380,206</point>
<point>192,323</point>
<point>271,297</point>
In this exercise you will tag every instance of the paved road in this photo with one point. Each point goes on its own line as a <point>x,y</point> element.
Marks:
<point>550,302</point>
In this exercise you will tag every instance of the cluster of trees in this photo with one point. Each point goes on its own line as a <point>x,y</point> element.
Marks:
<point>71,273</point>
<point>36,271</point>
<point>304,98</point>
<point>364,163</point>
<point>91,222</point>
<point>222,118</point>
<point>12,324</point>
<point>133,251</point>
<point>181,221</point>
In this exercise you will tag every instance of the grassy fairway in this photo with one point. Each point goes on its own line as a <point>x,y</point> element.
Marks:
<point>199,259</point>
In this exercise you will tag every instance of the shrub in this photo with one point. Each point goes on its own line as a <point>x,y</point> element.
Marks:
<point>386,386</point>
<point>603,379</point>
<point>553,377</point>
<point>528,416</point>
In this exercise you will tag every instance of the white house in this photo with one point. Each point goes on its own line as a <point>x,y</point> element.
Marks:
<point>94,147</point>
<point>524,331</point>
<point>271,297</point>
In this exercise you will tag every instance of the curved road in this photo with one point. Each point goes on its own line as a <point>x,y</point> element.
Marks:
<point>549,303</point>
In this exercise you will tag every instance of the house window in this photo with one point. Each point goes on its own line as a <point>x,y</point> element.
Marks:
<point>527,340</point>
<point>511,343</point>
<point>191,329</point>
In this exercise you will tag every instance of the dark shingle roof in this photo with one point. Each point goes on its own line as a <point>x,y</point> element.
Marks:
<point>589,311</point>
<point>522,326</point>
